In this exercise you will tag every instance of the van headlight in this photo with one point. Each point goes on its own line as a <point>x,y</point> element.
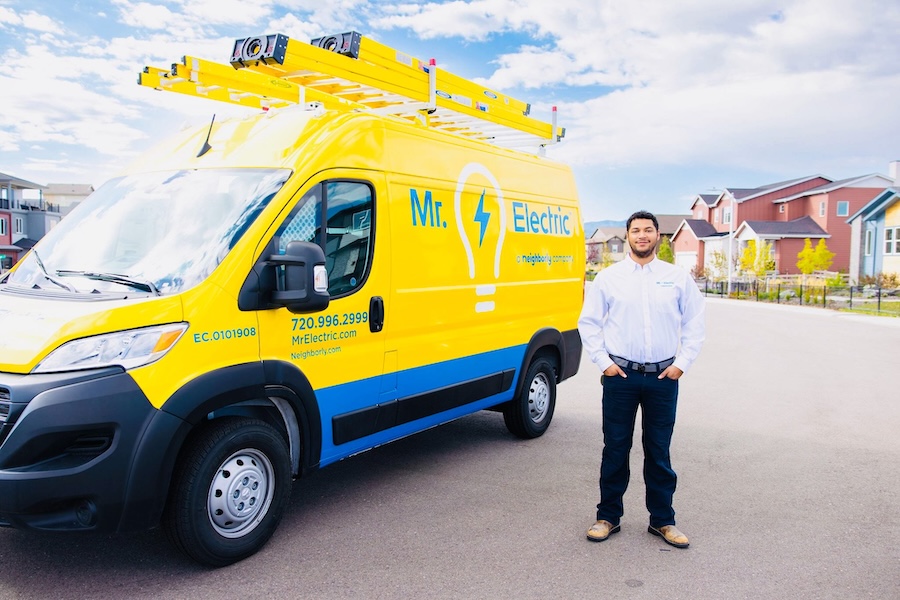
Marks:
<point>129,349</point>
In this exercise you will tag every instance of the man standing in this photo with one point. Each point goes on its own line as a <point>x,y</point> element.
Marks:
<point>642,324</point>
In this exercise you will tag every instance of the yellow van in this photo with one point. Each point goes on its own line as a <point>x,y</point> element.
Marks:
<point>266,295</point>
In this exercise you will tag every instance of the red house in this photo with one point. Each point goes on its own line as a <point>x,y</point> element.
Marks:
<point>782,214</point>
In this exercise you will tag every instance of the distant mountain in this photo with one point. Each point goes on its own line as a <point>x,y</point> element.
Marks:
<point>591,226</point>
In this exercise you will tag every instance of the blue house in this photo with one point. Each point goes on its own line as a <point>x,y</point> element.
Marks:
<point>875,236</point>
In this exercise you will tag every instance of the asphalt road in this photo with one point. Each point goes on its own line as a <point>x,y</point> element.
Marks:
<point>787,449</point>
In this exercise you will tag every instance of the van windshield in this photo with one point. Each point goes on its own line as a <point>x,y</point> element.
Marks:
<point>153,233</point>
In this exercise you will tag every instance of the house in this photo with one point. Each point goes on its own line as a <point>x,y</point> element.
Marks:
<point>875,236</point>
<point>695,247</point>
<point>792,207</point>
<point>786,238</point>
<point>829,205</point>
<point>67,195</point>
<point>726,213</point>
<point>669,224</point>
<point>24,216</point>
<point>606,245</point>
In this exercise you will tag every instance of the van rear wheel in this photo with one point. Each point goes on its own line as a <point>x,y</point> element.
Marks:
<point>230,490</point>
<point>528,415</point>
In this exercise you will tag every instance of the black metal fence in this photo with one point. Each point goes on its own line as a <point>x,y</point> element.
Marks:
<point>860,298</point>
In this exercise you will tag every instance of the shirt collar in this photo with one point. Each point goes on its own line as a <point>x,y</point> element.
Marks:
<point>650,265</point>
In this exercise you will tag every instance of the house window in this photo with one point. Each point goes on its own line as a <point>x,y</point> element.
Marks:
<point>868,242</point>
<point>892,240</point>
<point>726,216</point>
<point>781,208</point>
<point>20,225</point>
<point>715,215</point>
<point>822,208</point>
<point>843,208</point>
<point>614,247</point>
<point>2,226</point>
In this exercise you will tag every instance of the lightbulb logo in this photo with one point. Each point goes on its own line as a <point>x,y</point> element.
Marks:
<point>489,207</point>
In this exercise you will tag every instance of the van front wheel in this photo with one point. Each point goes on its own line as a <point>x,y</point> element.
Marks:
<point>528,415</point>
<point>230,490</point>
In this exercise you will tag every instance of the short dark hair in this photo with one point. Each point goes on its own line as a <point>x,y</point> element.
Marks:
<point>642,214</point>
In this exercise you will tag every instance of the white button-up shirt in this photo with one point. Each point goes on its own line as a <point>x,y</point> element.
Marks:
<point>644,314</point>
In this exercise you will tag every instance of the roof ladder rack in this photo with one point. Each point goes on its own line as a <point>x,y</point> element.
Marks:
<point>350,72</point>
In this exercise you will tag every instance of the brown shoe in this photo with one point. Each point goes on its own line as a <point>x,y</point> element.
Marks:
<point>671,535</point>
<point>601,530</point>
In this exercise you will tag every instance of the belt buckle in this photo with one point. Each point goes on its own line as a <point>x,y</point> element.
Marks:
<point>641,368</point>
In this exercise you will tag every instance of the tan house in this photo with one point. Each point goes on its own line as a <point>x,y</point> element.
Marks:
<point>606,245</point>
<point>67,195</point>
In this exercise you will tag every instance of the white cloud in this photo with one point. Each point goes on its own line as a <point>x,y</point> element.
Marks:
<point>468,20</point>
<point>145,15</point>
<point>29,20</point>
<point>335,16</point>
<point>792,123</point>
<point>234,13</point>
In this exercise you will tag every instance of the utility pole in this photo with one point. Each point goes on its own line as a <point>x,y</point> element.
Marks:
<point>731,208</point>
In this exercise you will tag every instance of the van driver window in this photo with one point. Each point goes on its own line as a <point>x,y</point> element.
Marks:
<point>348,233</point>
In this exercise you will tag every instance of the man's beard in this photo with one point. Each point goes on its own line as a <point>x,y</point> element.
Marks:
<point>642,254</point>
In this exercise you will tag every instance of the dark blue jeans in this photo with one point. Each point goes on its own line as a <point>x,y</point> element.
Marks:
<point>621,398</point>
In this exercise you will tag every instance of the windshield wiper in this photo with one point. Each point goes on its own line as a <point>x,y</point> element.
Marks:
<point>146,286</point>
<point>49,277</point>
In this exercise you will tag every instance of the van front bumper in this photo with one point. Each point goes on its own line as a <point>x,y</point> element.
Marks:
<point>82,451</point>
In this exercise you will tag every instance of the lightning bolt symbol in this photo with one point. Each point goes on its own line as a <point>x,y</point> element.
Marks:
<point>482,218</point>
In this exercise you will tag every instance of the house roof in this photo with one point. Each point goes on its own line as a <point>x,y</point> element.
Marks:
<point>9,180</point>
<point>878,204</point>
<point>803,227</point>
<point>69,189</point>
<point>878,181</point>
<point>601,236</point>
<point>26,243</point>
<point>698,227</point>
<point>742,194</point>
<point>707,199</point>
<point>668,224</point>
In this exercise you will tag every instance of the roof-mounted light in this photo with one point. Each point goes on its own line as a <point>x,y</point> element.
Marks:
<point>340,43</point>
<point>267,49</point>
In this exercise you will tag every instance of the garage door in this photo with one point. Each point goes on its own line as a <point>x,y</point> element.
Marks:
<point>687,260</point>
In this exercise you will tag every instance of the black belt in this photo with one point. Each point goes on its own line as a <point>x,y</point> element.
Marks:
<point>642,367</point>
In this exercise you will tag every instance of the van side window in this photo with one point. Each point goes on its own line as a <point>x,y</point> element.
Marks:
<point>348,239</point>
<point>348,233</point>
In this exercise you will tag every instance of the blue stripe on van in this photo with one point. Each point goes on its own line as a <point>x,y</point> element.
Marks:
<point>353,396</point>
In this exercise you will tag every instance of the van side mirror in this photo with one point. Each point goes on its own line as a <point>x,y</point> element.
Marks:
<point>302,279</point>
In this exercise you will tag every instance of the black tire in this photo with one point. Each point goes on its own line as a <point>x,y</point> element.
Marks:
<point>231,487</point>
<point>528,415</point>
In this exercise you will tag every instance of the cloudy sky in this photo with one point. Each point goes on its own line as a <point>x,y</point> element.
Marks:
<point>661,100</point>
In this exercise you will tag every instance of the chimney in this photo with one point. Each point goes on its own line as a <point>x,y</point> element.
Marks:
<point>894,169</point>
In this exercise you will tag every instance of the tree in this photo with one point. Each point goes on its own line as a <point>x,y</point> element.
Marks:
<point>718,267</point>
<point>823,257</point>
<point>593,253</point>
<point>757,260</point>
<point>606,259</point>
<point>665,251</point>
<point>810,260</point>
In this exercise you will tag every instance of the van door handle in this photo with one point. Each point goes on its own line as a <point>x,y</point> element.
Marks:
<point>376,314</point>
